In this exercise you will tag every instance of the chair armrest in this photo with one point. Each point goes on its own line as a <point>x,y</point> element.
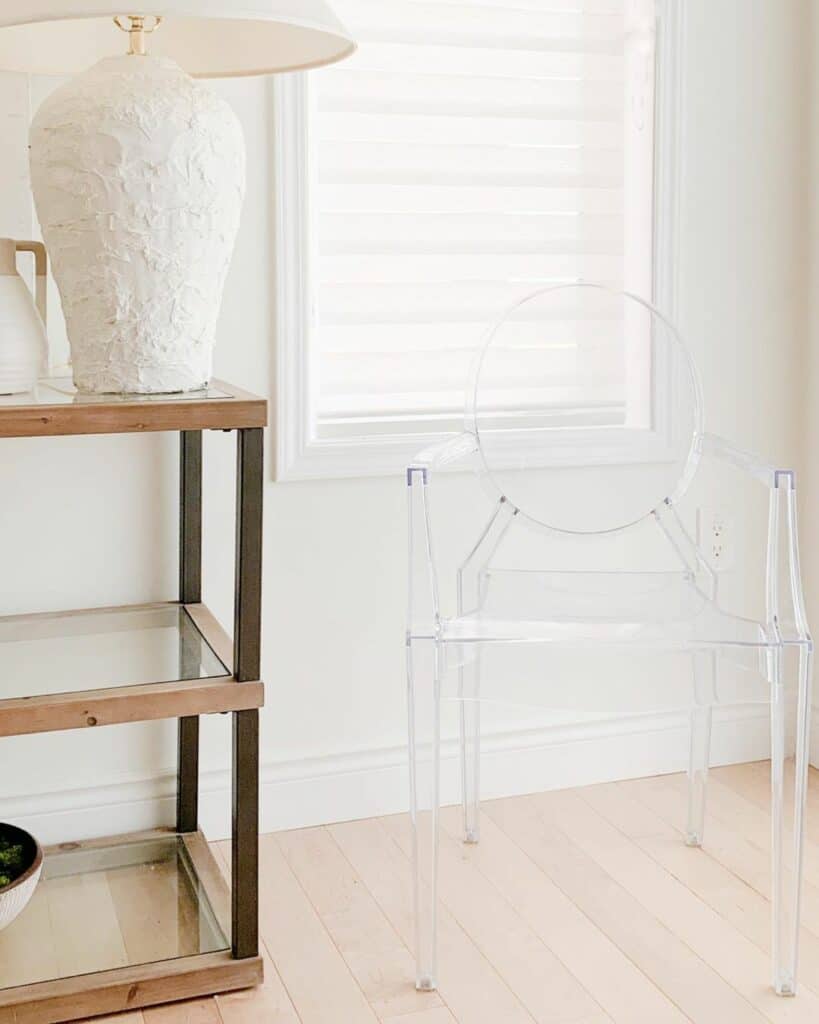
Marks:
<point>784,594</point>
<point>445,453</point>
<point>725,451</point>
<point>423,577</point>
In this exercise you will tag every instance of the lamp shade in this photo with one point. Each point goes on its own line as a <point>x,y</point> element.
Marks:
<point>208,38</point>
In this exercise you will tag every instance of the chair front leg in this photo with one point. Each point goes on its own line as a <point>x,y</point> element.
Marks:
<point>469,684</point>
<point>786,872</point>
<point>424,763</point>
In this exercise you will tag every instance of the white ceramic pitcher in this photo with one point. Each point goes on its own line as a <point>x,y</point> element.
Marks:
<point>23,340</point>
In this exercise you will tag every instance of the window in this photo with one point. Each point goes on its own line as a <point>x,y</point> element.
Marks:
<point>467,154</point>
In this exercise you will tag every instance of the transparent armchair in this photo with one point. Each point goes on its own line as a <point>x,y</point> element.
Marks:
<point>587,564</point>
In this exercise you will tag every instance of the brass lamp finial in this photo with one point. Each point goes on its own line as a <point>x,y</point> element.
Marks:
<point>137,32</point>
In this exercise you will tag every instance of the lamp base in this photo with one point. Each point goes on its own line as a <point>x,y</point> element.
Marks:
<point>138,174</point>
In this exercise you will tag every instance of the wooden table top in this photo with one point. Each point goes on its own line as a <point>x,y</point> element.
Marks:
<point>56,408</point>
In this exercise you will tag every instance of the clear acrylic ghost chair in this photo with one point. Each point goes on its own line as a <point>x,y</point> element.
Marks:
<point>644,440</point>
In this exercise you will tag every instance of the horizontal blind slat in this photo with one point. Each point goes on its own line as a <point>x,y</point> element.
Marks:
<point>461,60</point>
<point>421,427</point>
<point>564,6</point>
<point>429,337</point>
<point>414,303</point>
<point>442,95</point>
<point>361,270</point>
<point>496,131</point>
<point>474,25</point>
<point>343,382</point>
<point>396,163</point>
<point>378,231</point>
<point>477,200</point>
<point>569,395</point>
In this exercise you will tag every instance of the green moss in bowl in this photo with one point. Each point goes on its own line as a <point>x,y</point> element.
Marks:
<point>21,864</point>
<point>13,861</point>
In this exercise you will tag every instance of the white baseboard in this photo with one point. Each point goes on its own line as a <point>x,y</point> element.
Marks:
<point>362,784</point>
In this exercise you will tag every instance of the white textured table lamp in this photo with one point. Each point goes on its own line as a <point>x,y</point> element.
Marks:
<point>138,170</point>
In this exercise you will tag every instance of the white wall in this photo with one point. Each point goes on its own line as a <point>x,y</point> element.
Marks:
<point>88,522</point>
<point>809,394</point>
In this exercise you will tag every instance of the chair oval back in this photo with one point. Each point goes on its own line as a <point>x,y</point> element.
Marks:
<point>586,407</point>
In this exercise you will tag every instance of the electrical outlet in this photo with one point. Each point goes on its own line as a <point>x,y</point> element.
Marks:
<point>715,538</point>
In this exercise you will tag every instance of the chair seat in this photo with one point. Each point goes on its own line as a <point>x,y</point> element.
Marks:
<point>658,610</point>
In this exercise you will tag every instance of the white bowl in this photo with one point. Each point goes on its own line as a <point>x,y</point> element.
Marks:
<point>14,897</point>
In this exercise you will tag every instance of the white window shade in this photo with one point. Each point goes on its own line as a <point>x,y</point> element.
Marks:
<point>467,154</point>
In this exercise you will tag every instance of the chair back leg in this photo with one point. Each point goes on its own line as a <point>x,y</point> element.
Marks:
<point>469,692</point>
<point>704,667</point>
<point>698,760</point>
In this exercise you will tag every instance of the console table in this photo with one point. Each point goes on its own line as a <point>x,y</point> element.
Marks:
<point>146,918</point>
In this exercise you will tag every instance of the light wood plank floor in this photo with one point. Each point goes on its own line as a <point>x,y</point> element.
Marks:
<point>580,906</point>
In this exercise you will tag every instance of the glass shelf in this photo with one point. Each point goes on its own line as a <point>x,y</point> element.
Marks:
<point>61,391</point>
<point>110,904</point>
<point>69,652</point>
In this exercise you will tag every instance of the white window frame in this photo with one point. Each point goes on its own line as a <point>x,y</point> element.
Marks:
<point>301,456</point>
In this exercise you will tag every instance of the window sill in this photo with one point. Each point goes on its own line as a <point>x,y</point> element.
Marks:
<point>389,455</point>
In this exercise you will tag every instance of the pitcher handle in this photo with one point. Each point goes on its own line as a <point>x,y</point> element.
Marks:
<point>41,286</point>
